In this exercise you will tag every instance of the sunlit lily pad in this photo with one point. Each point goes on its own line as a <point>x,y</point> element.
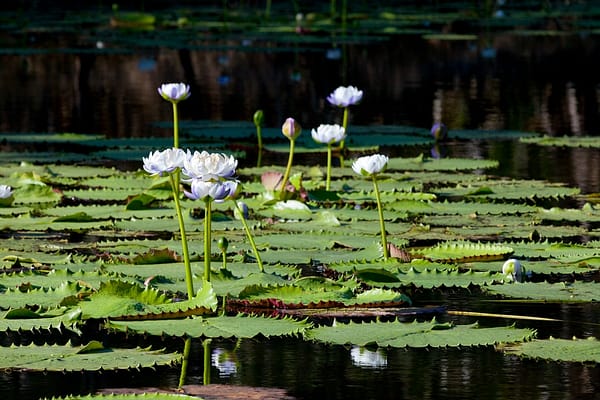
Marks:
<point>91,357</point>
<point>462,251</point>
<point>444,164</point>
<point>117,299</point>
<point>564,350</point>
<point>224,327</point>
<point>417,334</point>
<point>569,292</point>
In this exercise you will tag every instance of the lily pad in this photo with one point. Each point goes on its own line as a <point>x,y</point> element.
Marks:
<point>91,357</point>
<point>216,327</point>
<point>563,350</point>
<point>417,334</point>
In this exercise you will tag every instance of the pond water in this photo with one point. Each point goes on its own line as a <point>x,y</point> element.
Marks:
<point>92,83</point>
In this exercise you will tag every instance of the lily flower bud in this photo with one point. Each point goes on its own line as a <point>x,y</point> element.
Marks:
<point>6,196</point>
<point>223,244</point>
<point>439,131</point>
<point>291,128</point>
<point>258,117</point>
<point>513,270</point>
<point>241,211</point>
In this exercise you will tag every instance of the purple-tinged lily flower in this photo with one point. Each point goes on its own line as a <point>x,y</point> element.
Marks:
<point>174,92</point>
<point>439,131</point>
<point>206,190</point>
<point>291,128</point>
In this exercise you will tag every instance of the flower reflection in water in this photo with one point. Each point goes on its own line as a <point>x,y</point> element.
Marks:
<point>365,358</point>
<point>224,361</point>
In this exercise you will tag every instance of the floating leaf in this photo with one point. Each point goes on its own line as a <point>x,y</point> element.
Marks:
<point>76,358</point>
<point>463,251</point>
<point>77,217</point>
<point>132,396</point>
<point>443,164</point>
<point>564,350</point>
<point>544,291</point>
<point>139,202</point>
<point>217,327</point>
<point>38,322</point>
<point>124,396</point>
<point>417,334</point>
<point>432,278</point>
<point>564,141</point>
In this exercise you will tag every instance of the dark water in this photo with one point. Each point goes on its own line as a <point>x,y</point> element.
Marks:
<point>551,85</point>
<point>90,84</point>
<point>311,371</point>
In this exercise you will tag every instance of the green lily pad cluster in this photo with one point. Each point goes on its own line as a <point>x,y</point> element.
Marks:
<point>89,244</point>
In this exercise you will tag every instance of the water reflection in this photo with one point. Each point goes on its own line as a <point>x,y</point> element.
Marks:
<point>312,371</point>
<point>526,86</point>
<point>413,82</point>
<point>224,361</point>
<point>368,358</point>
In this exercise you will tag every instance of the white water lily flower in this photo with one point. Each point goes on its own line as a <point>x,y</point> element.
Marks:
<point>290,205</point>
<point>210,166</point>
<point>513,270</point>
<point>166,161</point>
<point>5,191</point>
<point>174,92</point>
<point>370,165</point>
<point>215,190</point>
<point>241,211</point>
<point>328,134</point>
<point>345,96</point>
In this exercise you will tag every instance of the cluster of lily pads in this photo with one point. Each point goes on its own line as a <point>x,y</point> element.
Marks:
<point>88,243</point>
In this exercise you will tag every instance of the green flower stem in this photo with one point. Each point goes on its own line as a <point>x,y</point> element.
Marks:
<point>260,145</point>
<point>250,237</point>
<point>206,350</point>
<point>288,169</point>
<point>386,253</point>
<point>207,247</point>
<point>184,364</point>
<point>175,126</point>
<point>328,182</point>
<point>343,142</point>
<point>174,177</point>
<point>259,137</point>
<point>224,260</point>
<point>259,159</point>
